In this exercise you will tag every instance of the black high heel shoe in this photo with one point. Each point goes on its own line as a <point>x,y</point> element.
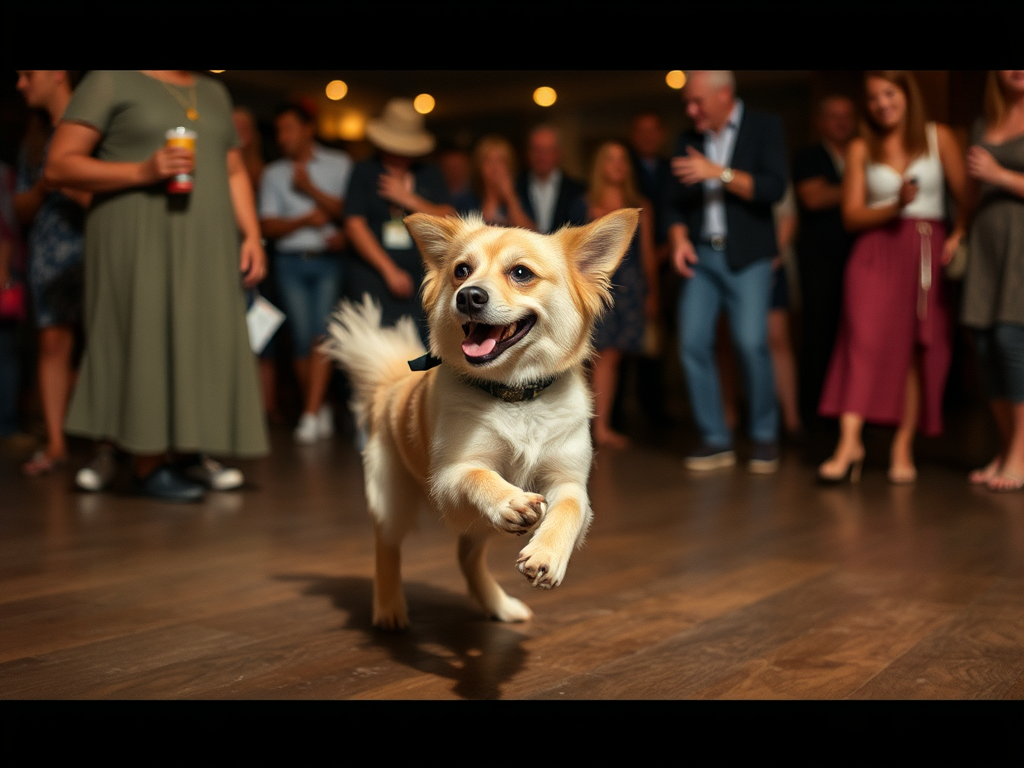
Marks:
<point>851,473</point>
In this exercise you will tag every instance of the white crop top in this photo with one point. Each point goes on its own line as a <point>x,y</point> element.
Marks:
<point>883,183</point>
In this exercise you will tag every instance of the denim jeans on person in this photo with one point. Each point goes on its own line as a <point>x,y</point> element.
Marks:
<point>309,287</point>
<point>744,296</point>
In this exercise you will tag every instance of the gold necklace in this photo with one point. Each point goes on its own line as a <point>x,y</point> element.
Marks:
<point>190,106</point>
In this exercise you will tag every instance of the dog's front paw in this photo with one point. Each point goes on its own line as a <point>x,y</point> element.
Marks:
<point>520,513</point>
<point>543,567</point>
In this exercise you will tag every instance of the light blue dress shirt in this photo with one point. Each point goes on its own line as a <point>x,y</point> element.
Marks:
<point>718,149</point>
<point>329,170</point>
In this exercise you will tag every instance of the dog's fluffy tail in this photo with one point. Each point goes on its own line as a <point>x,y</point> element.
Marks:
<point>371,355</point>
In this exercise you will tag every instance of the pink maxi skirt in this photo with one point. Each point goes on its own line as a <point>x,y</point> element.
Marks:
<point>894,309</point>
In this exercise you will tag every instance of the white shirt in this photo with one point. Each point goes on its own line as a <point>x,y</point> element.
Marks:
<point>718,149</point>
<point>543,196</point>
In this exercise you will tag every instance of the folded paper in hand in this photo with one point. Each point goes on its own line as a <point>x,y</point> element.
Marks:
<point>264,319</point>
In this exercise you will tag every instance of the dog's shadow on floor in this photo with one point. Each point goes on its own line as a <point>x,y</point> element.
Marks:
<point>449,635</point>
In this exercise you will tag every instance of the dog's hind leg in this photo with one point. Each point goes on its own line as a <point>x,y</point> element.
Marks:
<point>389,609</point>
<point>393,498</point>
<point>487,591</point>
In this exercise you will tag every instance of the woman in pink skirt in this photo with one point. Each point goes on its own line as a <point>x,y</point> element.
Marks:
<point>893,352</point>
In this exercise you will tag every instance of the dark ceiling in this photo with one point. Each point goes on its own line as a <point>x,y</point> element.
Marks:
<point>469,93</point>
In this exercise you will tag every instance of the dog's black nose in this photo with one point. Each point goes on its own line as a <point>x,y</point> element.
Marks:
<point>470,299</point>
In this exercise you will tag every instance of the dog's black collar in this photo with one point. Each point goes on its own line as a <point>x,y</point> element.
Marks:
<point>503,392</point>
<point>509,394</point>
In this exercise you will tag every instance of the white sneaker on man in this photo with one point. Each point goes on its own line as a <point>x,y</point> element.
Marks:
<point>98,473</point>
<point>308,431</point>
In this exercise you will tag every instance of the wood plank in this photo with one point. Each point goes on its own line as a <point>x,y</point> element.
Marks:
<point>978,654</point>
<point>720,586</point>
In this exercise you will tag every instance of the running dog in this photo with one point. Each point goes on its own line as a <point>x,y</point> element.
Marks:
<point>493,429</point>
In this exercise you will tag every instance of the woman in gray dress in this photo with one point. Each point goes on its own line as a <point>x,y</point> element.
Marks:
<point>994,283</point>
<point>168,368</point>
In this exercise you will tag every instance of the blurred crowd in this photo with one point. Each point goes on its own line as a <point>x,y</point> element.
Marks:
<point>802,295</point>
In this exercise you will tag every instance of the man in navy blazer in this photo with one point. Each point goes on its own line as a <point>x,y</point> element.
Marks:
<point>730,168</point>
<point>547,195</point>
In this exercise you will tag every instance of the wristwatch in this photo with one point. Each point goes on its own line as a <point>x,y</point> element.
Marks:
<point>726,175</point>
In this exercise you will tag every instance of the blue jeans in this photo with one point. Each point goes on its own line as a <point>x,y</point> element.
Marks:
<point>744,295</point>
<point>308,287</point>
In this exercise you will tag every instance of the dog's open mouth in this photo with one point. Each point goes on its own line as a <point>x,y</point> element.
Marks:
<point>484,342</point>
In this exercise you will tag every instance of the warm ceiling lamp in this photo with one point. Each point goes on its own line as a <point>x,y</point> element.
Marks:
<point>218,71</point>
<point>352,126</point>
<point>424,103</point>
<point>336,90</point>
<point>676,79</point>
<point>544,96</point>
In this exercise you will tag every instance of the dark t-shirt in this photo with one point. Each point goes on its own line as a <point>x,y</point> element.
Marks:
<point>822,241</point>
<point>362,199</point>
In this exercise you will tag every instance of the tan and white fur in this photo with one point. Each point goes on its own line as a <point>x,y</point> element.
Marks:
<point>483,464</point>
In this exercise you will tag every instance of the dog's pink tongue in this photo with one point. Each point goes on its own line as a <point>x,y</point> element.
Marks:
<point>482,340</point>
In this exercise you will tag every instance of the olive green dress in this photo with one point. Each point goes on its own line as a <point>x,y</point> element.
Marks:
<point>167,365</point>
<point>994,283</point>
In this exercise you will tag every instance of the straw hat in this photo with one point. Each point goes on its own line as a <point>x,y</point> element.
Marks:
<point>399,130</point>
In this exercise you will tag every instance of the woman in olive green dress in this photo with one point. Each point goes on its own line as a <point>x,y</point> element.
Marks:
<point>168,367</point>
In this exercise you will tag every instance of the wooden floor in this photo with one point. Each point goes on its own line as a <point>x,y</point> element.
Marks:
<point>721,586</point>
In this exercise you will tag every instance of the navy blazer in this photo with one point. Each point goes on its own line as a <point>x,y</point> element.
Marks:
<point>760,150</point>
<point>569,191</point>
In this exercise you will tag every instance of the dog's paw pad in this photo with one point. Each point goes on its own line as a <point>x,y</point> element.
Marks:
<point>540,569</point>
<point>522,512</point>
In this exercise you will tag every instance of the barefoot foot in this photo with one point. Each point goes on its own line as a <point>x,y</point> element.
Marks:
<point>983,475</point>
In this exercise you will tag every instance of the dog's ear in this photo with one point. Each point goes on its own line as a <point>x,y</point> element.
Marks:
<point>597,248</point>
<point>434,235</point>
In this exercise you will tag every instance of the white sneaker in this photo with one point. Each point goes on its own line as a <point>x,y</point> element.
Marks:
<point>325,421</point>
<point>215,475</point>
<point>308,431</point>
<point>98,473</point>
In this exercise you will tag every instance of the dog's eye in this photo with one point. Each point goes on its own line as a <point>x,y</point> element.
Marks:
<point>462,271</point>
<point>521,274</point>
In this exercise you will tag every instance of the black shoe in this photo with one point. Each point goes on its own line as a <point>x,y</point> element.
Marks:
<point>166,484</point>
<point>764,458</point>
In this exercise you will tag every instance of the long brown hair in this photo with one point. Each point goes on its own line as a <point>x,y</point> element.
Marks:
<point>915,141</point>
<point>630,196</point>
<point>995,100</point>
